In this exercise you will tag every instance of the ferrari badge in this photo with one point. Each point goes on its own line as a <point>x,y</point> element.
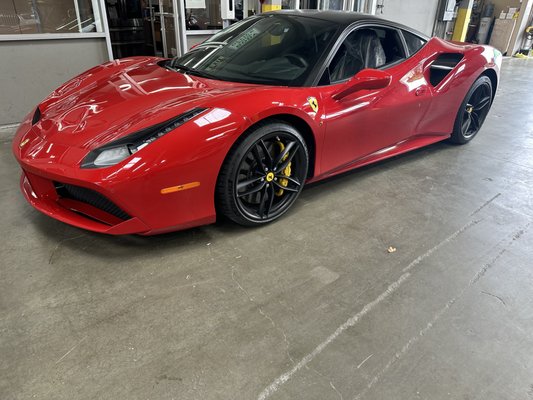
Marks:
<point>313,102</point>
<point>23,143</point>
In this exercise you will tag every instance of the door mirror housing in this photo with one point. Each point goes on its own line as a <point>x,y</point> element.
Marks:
<point>367,79</point>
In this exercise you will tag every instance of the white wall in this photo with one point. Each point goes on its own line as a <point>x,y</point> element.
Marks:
<point>417,14</point>
<point>30,70</point>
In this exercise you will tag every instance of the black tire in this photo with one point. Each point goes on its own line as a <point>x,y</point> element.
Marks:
<point>263,174</point>
<point>473,111</point>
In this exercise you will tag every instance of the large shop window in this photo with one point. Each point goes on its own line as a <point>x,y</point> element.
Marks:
<point>204,14</point>
<point>49,16</point>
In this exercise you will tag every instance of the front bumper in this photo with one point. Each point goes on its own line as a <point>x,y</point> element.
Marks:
<point>74,212</point>
<point>133,187</point>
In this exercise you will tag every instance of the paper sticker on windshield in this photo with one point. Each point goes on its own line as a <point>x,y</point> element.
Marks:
<point>244,38</point>
<point>313,102</point>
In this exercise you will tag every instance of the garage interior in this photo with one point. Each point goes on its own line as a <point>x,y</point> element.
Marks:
<point>407,279</point>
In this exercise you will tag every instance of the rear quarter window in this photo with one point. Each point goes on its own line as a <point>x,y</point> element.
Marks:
<point>414,43</point>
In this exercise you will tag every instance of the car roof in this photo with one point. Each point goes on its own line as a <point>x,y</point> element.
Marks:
<point>345,18</point>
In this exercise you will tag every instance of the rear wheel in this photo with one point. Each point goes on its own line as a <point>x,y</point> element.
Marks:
<point>263,175</point>
<point>473,111</point>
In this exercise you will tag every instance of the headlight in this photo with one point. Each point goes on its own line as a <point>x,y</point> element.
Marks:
<point>111,156</point>
<point>120,149</point>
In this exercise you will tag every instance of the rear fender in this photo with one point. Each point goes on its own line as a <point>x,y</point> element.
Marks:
<point>449,92</point>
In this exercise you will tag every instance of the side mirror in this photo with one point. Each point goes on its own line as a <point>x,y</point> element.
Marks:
<point>367,79</point>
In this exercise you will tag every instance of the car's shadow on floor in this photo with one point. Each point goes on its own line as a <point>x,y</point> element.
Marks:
<point>132,246</point>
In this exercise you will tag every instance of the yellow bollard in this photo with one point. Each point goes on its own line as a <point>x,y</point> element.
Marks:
<point>462,21</point>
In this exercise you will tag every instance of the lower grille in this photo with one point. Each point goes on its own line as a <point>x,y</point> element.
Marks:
<point>90,197</point>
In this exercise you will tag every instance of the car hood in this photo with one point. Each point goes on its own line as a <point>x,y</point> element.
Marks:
<point>122,97</point>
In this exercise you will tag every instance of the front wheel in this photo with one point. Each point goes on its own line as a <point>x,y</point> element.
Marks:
<point>263,174</point>
<point>473,111</point>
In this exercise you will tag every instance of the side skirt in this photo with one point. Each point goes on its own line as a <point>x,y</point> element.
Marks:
<point>387,152</point>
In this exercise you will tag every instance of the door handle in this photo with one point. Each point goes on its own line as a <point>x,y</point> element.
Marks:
<point>420,91</point>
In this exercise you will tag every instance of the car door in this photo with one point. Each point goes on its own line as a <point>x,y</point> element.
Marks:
<point>371,121</point>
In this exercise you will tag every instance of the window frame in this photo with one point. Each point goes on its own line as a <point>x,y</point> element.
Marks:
<point>8,37</point>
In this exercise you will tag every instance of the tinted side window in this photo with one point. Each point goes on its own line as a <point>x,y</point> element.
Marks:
<point>364,48</point>
<point>392,45</point>
<point>414,43</point>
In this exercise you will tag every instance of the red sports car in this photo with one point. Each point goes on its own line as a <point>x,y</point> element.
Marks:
<point>239,124</point>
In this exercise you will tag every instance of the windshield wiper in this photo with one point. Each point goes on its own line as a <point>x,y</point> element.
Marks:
<point>188,70</point>
<point>212,44</point>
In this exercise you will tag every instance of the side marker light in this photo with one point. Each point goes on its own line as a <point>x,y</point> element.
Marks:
<point>180,188</point>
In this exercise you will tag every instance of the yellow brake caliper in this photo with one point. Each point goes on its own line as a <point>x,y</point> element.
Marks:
<point>287,171</point>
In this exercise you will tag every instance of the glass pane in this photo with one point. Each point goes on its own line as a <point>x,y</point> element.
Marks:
<point>239,10</point>
<point>203,14</point>
<point>167,5</point>
<point>331,4</point>
<point>288,4</point>
<point>130,27</point>
<point>267,49</point>
<point>49,16</point>
<point>414,43</point>
<point>251,7</point>
<point>359,5</point>
<point>308,4</point>
<point>170,36</point>
<point>365,48</point>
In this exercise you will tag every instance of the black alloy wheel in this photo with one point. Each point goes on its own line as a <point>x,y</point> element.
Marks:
<point>263,175</point>
<point>473,111</point>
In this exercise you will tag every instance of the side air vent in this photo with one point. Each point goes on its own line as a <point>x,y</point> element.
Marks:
<point>442,66</point>
<point>36,116</point>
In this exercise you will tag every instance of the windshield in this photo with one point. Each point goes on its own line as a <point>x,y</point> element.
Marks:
<point>273,49</point>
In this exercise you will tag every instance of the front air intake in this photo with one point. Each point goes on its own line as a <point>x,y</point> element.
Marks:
<point>90,197</point>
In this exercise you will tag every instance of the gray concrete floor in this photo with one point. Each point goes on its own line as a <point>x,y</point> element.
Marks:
<point>311,307</point>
